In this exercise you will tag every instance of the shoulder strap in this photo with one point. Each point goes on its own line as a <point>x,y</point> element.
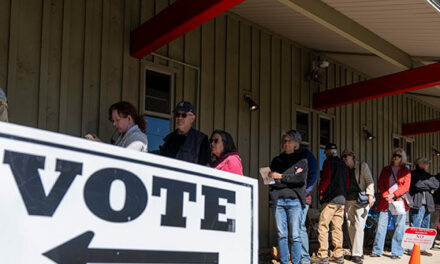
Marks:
<point>392,173</point>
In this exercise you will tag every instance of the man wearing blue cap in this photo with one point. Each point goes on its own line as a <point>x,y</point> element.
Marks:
<point>3,106</point>
<point>185,143</point>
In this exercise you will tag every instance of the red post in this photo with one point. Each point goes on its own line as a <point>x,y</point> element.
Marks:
<point>173,22</point>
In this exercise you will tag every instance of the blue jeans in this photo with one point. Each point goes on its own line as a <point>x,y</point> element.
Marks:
<point>288,215</point>
<point>420,217</point>
<point>305,256</point>
<point>381,232</point>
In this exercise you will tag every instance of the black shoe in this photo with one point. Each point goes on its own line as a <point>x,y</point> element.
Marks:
<point>374,255</point>
<point>339,260</point>
<point>317,260</point>
<point>426,253</point>
<point>356,259</point>
<point>395,257</point>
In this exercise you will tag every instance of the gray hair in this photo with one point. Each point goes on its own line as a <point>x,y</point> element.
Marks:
<point>293,135</point>
<point>332,152</point>
<point>423,160</point>
<point>403,153</point>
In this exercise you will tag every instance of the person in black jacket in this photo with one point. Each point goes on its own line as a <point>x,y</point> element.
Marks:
<point>186,143</point>
<point>436,215</point>
<point>288,195</point>
<point>332,191</point>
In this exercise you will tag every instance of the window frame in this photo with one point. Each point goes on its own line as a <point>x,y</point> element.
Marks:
<point>163,70</point>
<point>303,142</point>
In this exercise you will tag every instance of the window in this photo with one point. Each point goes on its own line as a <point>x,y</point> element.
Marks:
<point>157,106</point>
<point>302,125</point>
<point>409,151</point>
<point>324,131</point>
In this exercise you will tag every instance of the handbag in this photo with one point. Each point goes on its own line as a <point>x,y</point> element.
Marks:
<point>406,196</point>
<point>362,195</point>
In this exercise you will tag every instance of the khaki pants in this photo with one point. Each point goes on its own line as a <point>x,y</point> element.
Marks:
<point>3,110</point>
<point>355,217</point>
<point>331,213</point>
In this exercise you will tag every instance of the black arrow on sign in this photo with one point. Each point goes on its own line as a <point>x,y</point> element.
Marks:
<point>77,251</point>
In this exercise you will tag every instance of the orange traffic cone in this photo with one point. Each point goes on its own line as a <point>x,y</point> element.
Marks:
<point>415,256</point>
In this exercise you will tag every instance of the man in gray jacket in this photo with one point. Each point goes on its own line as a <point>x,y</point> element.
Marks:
<point>360,179</point>
<point>3,106</point>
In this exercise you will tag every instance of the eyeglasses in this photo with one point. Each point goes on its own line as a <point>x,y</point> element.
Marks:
<point>287,141</point>
<point>214,140</point>
<point>397,155</point>
<point>184,115</point>
<point>344,156</point>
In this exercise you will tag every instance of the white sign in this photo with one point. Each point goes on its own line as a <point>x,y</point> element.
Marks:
<point>422,236</point>
<point>74,201</point>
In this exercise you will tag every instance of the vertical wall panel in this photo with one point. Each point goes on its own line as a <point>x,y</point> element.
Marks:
<point>232,60</point>
<point>50,65</point>
<point>207,77</point>
<point>5,12</point>
<point>92,67</point>
<point>244,86</point>
<point>24,61</point>
<point>220,71</point>
<point>275,110</point>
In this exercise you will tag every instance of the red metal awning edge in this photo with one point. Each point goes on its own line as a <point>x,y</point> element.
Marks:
<point>175,21</point>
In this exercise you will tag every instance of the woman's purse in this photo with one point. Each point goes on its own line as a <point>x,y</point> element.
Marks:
<point>406,196</point>
<point>362,195</point>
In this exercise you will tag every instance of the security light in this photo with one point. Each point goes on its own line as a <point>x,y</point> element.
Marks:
<point>253,106</point>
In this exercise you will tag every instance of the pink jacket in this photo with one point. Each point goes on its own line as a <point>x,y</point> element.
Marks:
<point>230,162</point>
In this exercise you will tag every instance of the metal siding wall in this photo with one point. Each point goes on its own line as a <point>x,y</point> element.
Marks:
<point>66,62</point>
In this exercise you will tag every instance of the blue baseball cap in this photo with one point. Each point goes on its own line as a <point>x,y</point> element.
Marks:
<point>185,107</point>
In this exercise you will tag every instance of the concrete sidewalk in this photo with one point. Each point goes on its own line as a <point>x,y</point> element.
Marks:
<point>386,259</point>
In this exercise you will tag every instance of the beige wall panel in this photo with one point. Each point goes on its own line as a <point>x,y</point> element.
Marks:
<point>275,90</point>
<point>244,86</point>
<point>286,102</point>
<point>220,71</point>
<point>232,74</point>
<point>207,77</point>
<point>131,66</point>
<point>50,65</point>
<point>5,12</point>
<point>24,61</point>
<point>72,64</point>
<point>92,67</point>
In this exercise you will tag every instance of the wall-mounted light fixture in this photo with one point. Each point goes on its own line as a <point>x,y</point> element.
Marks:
<point>318,70</point>
<point>253,106</point>
<point>436,152</point>
<point>368,134</point>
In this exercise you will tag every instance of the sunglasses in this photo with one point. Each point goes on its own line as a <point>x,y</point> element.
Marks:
<point>397,155</point>
<point>184,115</point>
<point>214,140</point>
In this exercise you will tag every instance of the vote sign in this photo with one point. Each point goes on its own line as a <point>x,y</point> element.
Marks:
<point>422,236</point>
<point>73,201</point>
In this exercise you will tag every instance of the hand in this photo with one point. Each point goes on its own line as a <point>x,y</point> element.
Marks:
<point>299,170</point>
<point>371,200</point>
<point>92,137</point>
<point>390,196</point>
<point>275,175</point>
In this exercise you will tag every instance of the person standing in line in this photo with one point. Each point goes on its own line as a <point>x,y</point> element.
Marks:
<point>360,180</point>
<point>423,185</point>
<point>129,124</point>
<point>186,143</point>
<point>288,194</point>
<point>436,214</point>
<point>332,191</point>
<point>394,182</point>
<point>225,152</point>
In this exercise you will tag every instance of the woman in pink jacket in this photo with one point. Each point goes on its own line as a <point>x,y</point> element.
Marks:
<point>225,152</point>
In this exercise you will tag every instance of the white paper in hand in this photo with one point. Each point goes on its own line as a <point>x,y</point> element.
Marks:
<point>264,172</point>
<point>397,208</point>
